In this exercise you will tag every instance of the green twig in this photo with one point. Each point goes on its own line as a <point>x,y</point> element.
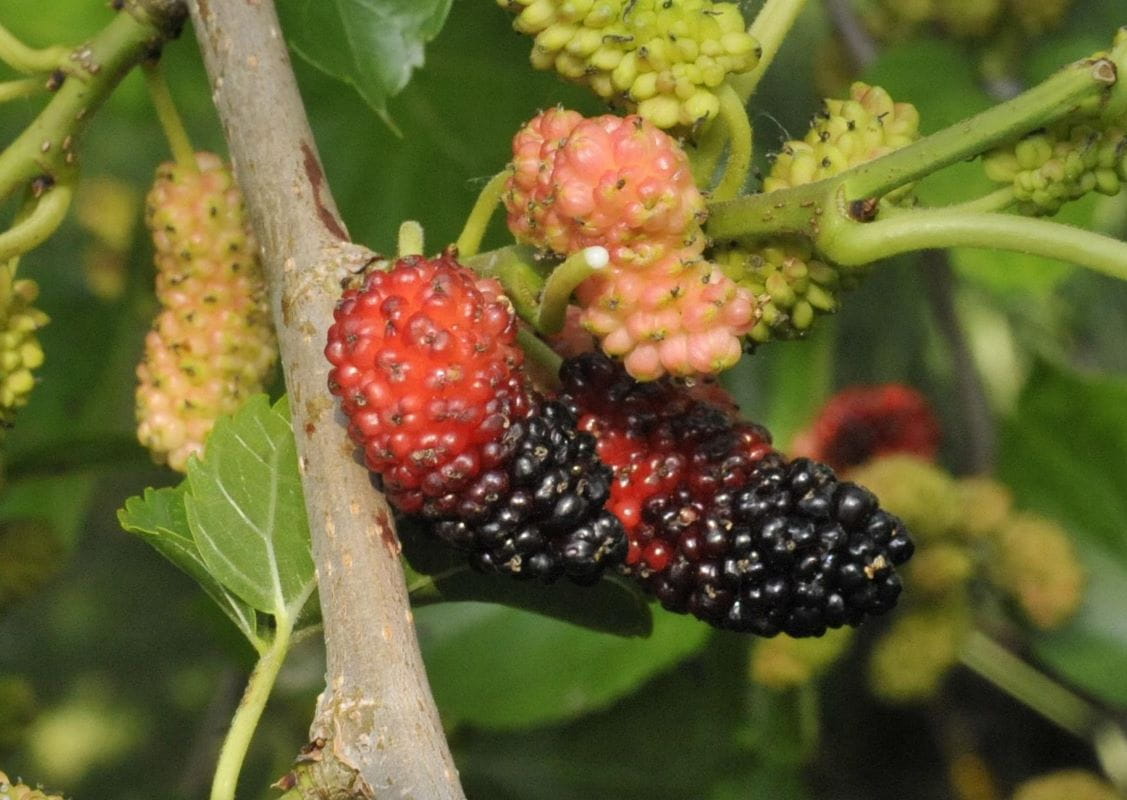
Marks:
<point>706,155</point>
<point>29,60</point>
<point>738,126</point>
<point>243,724</point>
<point>563,280</point>
<point>539,354</point>
<point>853,244</point>
<point>170,121</point>
<point>512,266</point>
<point>798,210</point>
<point>469,242</point>
<point>411,239</point>
<point>45,217</point>
<point>23,87</point>
<point>770,28</point>
<point>1054,702</point>
<point>997,200</point>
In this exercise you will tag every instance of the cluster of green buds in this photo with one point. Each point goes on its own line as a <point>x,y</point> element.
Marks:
<point>968,535</point>
<point>1065,162</point>
<point>20,352</point>
<point>845,133</point>
<point>965,19</point>
<point>790,285</point>
<point>663,58</point>
<point>19,791</point>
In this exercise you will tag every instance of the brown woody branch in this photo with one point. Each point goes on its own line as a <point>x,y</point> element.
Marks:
<point>376,732</point>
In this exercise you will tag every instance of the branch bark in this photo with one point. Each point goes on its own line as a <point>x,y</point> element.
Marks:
<point>376,731</point>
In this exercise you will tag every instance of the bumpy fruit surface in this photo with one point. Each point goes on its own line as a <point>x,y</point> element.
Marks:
<point>682,316</point>
<point>924,495</point>
<point>427,369</point>
<point>720,525</point>
<point>789,284</point>
<point>542,514</point>
<point>19,791</point>
<point>861,423</point>
<point>912,658</point>
<point>1048,168</point>
<point>212,345</point>
<point>20,353</point>
<point>786,663</point>
<point>664,58</point>
<point>622,184</point>
<point>844,134</point>
<point>1070,784</point>
<point>615,182</point>
<point>1037,565</point>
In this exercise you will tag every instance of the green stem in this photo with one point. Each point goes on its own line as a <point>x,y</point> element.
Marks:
<point>243,724</point>
<point>770,28</point>
<point>997,200</point>
<point>563,280</point>
<point>1055,98</point>
<point>853,244</point>
<point>1054,702</point>
<point>47,145</point>
<point>469,242</point>
<point>170,121</point>
<point>28,60</point>
<point>706,155</point>
<point>411,239</point>
<point>45,217</point>
<point>797,210</point>
<point>24,87</point>
<point>734,113</point>
<point>512,266</point>
<point>540,355</point>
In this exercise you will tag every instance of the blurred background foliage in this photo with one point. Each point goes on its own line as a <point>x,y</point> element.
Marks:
<point>117,676</point>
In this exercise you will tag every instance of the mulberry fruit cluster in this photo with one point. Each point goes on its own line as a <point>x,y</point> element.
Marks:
<point>622,184</point>
<point>970,539</point>
<point>861,423</point>
<point>212,344</point>
<point>845,133</point>
<point>19,791</point>
<point>790,285</point>
<point>1048,168</point>
<point>20,352</point>
<point>966,19</point>
<point>663,59</point>
<point>720,525</point>
<point>427,369</point>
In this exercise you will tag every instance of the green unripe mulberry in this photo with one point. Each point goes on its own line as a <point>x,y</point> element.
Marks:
<point>844,134</point>
<point>1037,565</point>
<point>20,353</point>
<point>913,657</point>
<point>662,58</point>
<point>1065,162</point>
<point>785,663</point>
<point>791,286</point>
<point>18,791</point>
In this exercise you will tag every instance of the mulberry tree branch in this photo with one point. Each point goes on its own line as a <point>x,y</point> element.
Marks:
<point>376,732</point>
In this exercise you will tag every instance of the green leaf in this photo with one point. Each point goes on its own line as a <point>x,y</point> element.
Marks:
<point>1062,453</point>
<point>374,45</point>
<point>438,573</point>
<point>159,517</point>
<point>501,668</point>
<point>1063,449</point>
<point>247,513</point>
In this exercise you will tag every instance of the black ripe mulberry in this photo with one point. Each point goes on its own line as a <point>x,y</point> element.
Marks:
<point>540,515</point>
<point>722,526</point>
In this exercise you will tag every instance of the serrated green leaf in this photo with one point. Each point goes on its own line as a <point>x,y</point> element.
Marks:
<point>159,517</point>
<point>501,668</point>
<point>374,45</point>
<point>247,513</point>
